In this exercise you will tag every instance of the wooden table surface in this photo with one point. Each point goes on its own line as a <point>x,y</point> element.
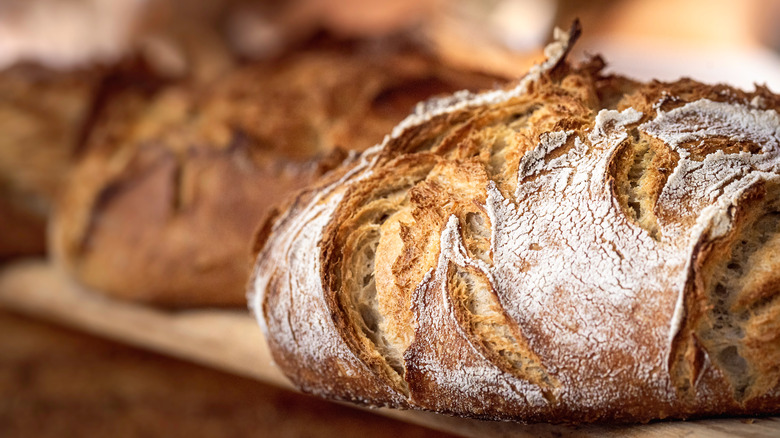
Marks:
<point>227,340</point>
<point>59,382</point>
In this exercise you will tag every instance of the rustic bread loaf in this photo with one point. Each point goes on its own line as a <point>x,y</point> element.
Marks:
<point>579,247</point>
<point>164,204</point>
<point>46,116</point>
<point>50,92</point>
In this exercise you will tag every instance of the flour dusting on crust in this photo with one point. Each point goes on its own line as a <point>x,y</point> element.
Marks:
<point>702,192</point>
<point>576,295</point>
<point>473,377</point>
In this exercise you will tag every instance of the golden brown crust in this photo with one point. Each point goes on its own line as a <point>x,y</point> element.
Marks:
<point>166,200</point>
<point>576,248</point>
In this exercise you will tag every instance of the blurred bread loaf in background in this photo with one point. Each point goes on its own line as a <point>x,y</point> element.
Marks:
<point>165,201</point>
<point>60,63</point>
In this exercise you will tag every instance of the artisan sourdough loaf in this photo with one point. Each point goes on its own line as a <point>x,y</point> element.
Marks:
<point>578,247</point>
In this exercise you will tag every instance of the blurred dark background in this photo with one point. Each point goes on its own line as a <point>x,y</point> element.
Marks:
<point>646,36</point>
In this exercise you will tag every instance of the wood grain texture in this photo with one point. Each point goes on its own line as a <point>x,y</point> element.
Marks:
<point>59,382</point>
<point>231,341</point>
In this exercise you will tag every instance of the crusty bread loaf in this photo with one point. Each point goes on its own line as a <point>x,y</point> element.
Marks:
<point>576,248</point>
<point>56,73</point>
<point>164,204</point>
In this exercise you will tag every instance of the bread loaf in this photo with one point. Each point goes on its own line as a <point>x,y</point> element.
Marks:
<point>579,247</point>
<point>163,206</point>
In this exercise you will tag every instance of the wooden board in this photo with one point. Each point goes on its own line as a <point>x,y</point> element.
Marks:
<point>231,340</point>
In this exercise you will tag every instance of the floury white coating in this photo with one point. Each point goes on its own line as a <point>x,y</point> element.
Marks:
<point>564,229</point>
<point>557,273</point>
<point>705,191</point>
<point>434,313</point>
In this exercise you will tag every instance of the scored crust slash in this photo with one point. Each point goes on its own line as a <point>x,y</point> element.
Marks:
<point>577,247</point>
